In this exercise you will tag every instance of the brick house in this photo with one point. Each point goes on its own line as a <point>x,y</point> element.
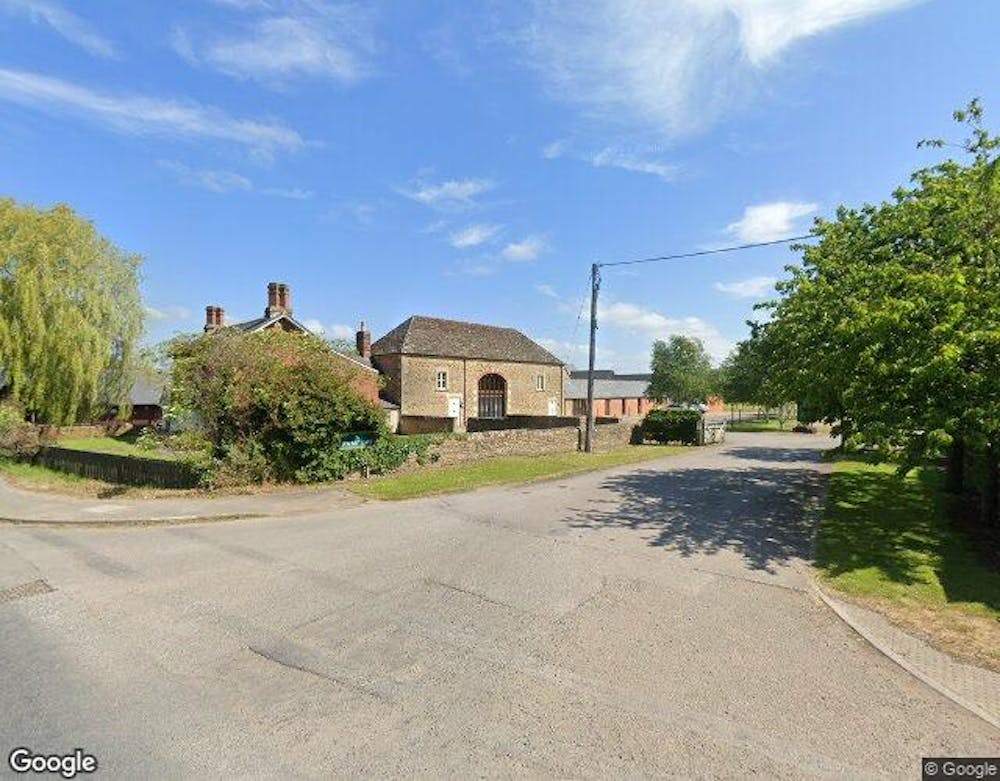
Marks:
<point>442,373</point>
<point>278,314</point>
<point>615,395</point>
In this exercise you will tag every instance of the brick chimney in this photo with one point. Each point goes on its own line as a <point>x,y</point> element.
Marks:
<point>279,300</point>
<point>363,340</point>
<point>273,308</point>
<point>214,318</point>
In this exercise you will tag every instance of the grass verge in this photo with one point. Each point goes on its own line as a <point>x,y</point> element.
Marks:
<point>39,478</point>
<point>504,471</point>
<point>886,543</point>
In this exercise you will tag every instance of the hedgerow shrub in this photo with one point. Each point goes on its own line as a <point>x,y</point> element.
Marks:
<point>671,425</point>
<point>274,406</point>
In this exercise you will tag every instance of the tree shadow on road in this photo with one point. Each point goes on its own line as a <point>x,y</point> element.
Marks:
<point>767,515</point>
<point>776,454</point>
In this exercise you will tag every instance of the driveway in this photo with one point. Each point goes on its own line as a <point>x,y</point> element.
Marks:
<point>647,620</point>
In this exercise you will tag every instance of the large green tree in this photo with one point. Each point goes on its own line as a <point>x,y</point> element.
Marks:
<point>682,370</point>
<point>891,322</point>
<point>70,314</point>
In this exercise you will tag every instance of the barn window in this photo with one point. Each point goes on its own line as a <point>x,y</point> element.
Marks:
<point>539,382</point>
<point>442,381</point>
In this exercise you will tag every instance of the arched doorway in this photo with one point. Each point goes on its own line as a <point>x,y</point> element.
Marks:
<point>492,396</point>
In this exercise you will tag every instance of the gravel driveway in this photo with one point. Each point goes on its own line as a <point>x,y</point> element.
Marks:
<point>654,619</point>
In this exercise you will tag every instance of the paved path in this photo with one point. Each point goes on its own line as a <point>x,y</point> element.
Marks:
<point>19,506</point>
<point>648,620</point>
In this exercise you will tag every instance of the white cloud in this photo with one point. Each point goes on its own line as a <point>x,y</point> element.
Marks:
<point>287,39</point>
<point>473,236</point>
<point>673,66</point>
<point>334,331</point>
<point>615,158</point>
<point>168,313</point>
<point>577,354</point>
<point>754,287</point>
<point>450,194</point>
<point>146,116</point>
<point>213,181</point>
<point>547,290</point>
<point>289,193</point>
<point>637,319</point>
<point>217,181</point>
<point>67,24</point>
<point>556,149</point>
<point>528,249</point>
<point>770,221</point>
<point>472,269</point>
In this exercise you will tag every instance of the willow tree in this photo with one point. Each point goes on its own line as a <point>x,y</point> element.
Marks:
<point>70,314</point>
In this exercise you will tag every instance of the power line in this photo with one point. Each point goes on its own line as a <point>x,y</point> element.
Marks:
<point>595,286</point>
<point>701,253</point>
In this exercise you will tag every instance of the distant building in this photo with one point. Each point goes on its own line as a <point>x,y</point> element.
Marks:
<point>615,395</point>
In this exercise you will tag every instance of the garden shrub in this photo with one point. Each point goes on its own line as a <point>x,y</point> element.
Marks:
<point>671,425</point>
<point>276,407</point>
<point>18,438</point>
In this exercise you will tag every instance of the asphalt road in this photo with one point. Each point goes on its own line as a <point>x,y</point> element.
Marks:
<point>651,620</point>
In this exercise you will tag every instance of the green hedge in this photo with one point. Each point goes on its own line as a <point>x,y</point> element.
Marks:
<point>671,425</point>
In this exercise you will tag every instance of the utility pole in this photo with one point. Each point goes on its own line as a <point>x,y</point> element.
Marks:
<point>595,286</point>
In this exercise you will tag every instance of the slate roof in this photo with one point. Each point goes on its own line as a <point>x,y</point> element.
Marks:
<point>260,323</point>
<point>432,336</point>
<point>608,374</point>
<point>147,390</point>
<point>607,385</point>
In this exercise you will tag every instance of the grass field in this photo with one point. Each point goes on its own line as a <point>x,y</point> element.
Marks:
<point>758,425</point>
<point>116,446</point>
<point>886,542</point>
<point>502,471</point>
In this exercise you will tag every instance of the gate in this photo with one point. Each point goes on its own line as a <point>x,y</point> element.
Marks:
<point>492,396</point>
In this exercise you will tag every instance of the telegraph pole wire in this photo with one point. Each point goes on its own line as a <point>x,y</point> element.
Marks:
<point>595,287</point>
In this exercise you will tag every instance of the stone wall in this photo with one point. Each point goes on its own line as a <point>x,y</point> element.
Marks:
<point>425,424</point>
<point>610,436</point>
<point>486,445</point>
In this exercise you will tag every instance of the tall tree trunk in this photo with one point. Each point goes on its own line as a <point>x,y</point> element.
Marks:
<point>955,466</point>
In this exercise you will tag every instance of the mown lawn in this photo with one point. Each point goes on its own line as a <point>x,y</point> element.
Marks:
<point>887,543</point>
<point>116,446</point>
<point>502,471</point>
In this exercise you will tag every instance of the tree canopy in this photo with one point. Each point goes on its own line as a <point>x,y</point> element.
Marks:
<point>682,370</point>
<point>891,324</point>
<point>274,405</point>
<point>70,314</point>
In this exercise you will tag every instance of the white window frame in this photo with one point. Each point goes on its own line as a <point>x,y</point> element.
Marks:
<point>540,382</point>
<point>441,380</point>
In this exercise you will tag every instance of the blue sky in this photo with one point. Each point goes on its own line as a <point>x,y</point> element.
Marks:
<point>471,159</point>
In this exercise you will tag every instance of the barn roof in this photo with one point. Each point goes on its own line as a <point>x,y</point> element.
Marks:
<point>433,336</point>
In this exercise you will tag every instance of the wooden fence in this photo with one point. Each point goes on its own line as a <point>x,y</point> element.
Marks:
<point>124,470</point>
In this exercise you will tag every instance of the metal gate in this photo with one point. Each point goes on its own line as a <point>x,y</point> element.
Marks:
<point>492,396</point>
